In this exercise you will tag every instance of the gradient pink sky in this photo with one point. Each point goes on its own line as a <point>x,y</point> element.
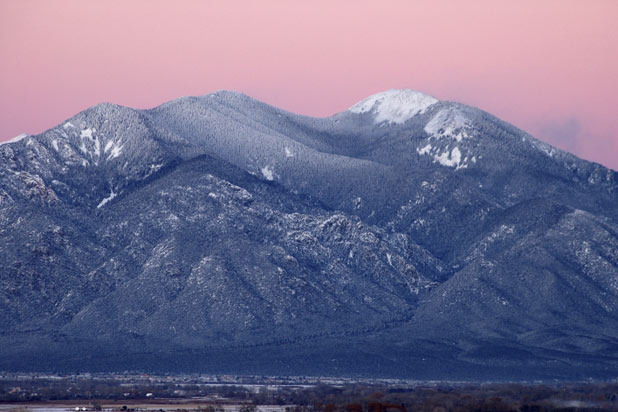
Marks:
<point>548,67</point>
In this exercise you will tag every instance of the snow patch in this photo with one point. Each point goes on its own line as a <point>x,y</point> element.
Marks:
<point>424,150</point>
<point>448,123</point>
<point>86,133</point>
<point>116,151</point>
<point>15,139</point>
<point>67,125</point>
<point>108,146</point>
<point>448,158</point>
<point>55,145</point>
<point>97,147</point>
<point>452,159</point>
<point>111,196</point>
<point>288,152</point>
<point>394,106</point>
<point>267,172</point>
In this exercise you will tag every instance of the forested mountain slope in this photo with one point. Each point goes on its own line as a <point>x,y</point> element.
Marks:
<point>405,236</point>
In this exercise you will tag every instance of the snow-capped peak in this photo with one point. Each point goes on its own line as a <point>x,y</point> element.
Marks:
<point>394,106</point>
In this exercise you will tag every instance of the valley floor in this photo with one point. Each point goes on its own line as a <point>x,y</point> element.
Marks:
<point>201,393</point>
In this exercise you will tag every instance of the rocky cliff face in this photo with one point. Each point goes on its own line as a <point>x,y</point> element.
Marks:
<point>404,237</point>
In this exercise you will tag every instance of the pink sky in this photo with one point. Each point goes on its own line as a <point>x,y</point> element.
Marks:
<point>549,67</point>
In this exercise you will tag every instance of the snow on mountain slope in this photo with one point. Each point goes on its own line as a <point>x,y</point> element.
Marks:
<point>15,139</point>
<point>100,150</point>
<point>217,224</point>
<point>450,122</point>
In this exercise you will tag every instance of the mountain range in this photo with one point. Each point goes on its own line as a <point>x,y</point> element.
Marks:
<point>404,237</point>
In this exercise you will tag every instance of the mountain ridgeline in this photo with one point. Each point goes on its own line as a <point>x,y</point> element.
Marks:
<point>404,237</point>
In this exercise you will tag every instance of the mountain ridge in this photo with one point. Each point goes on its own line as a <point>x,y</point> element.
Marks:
<point>208,226</point>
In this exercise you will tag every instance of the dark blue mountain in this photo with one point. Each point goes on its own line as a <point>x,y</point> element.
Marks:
<point>404,237</point>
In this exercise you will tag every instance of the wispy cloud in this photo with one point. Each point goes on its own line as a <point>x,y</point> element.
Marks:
<point>562,133</point>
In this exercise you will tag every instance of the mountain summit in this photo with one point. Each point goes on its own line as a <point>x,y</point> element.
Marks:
<point>406,237</point>
<point>394,106</point>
